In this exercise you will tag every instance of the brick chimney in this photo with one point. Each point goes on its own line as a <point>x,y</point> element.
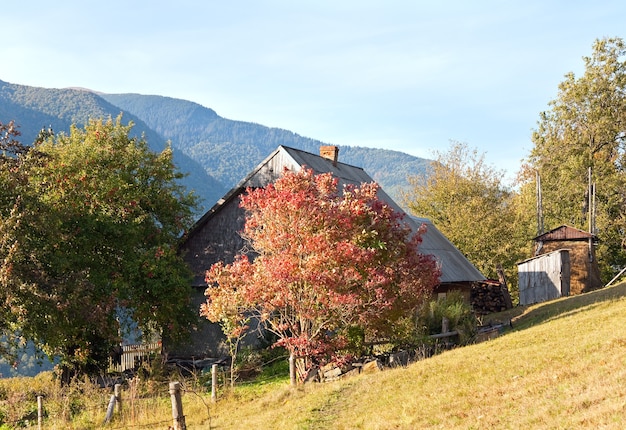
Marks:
<point>330,152</point>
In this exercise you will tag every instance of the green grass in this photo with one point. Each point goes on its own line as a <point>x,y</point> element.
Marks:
<point>561,366</point>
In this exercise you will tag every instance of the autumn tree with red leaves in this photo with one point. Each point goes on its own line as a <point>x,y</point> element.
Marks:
<point>325,264</point>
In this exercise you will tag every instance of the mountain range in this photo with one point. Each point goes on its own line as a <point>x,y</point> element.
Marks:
<point>213,151</point>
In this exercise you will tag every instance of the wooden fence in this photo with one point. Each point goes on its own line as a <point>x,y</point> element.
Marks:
<point>115,403</point>
<point>132,356</point>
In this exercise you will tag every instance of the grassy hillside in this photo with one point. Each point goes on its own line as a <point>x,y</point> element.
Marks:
<point>561,366</point>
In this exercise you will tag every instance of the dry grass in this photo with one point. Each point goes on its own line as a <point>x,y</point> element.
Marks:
<point>83,405</point>
<point>561,366</point>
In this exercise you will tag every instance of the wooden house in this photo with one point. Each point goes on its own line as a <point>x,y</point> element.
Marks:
<point>584,270</point>
<point>215,237</point>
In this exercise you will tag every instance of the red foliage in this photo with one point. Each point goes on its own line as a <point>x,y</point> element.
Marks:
<point>324,261</point>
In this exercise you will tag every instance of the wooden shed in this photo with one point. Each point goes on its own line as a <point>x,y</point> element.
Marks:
<point>215,237</point>
<point>584,269</point>
<point>544,277</point>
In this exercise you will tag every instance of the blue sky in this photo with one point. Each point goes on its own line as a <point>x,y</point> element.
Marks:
<point>404,75</point>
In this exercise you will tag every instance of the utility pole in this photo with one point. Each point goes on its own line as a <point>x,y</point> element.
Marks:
<point>539,205</point>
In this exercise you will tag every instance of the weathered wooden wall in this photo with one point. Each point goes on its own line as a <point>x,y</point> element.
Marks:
<point>213,241</point>
<point>544,277</point>
<point>216,241</point>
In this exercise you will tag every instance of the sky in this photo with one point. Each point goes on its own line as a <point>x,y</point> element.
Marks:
<point>406,75</point>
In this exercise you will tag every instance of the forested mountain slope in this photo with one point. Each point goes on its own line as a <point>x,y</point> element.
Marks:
<point>215,152</point>
<point>33,108</point>
<point>229,149</point>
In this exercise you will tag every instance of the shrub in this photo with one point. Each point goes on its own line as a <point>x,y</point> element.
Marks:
<point>456,310</point>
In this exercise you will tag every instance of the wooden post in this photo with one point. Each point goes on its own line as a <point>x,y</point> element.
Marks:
<point>292,370</point>
<point>177,407</point>
<point>39,412</point>
<point>118,397</point>
<point>214,382</point>
<point>445,325</point>
<point>110,409</point>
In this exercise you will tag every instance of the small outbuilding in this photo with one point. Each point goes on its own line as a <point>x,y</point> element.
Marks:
<point>584,270</point>
<point>544,277</point>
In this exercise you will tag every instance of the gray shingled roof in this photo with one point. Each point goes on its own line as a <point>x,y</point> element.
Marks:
<point>345,172</point>
<point>455,267</point>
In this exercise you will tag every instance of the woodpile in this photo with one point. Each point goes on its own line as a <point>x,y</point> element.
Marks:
<point>331,372</point>
<point>489,297</point>
<point>374,364</point>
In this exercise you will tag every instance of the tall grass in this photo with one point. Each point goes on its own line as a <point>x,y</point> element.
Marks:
<point>561,366</point>
<point>83,404</point>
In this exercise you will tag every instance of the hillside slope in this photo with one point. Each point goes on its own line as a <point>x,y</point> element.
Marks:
<point>33,108</point>
<point>563,365</point>
<point>215,152</point>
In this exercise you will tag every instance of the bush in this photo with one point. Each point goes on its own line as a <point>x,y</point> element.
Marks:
<point>456,310</point>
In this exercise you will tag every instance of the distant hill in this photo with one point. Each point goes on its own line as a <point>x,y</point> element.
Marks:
<point>227,148</point>
<point>33,108</point>
<point>216,152</point>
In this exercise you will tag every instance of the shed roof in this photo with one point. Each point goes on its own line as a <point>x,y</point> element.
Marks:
<point>564,232</point>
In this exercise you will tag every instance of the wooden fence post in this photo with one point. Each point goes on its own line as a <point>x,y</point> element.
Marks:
<point>39,412</point>
<point>214,382</point>
<point>292,370</point>
<point>177,407</point>
<point>445,322</point>
<point>118,397</point>
<point>110,409</point>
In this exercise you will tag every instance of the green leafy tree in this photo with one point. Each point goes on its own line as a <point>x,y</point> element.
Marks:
<point>469,203</point>
<point>326,262</point>
<point>585,130</point>
<point>94,229</point>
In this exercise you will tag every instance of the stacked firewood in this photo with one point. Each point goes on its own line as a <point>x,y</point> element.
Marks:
<point>489,297</point>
